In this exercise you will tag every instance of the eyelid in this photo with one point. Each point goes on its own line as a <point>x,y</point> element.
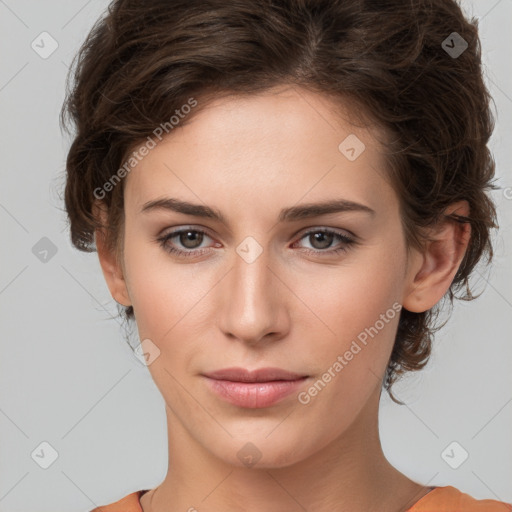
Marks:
<point>340,231</point>
<point>346,241</point>
<point>176,230</point>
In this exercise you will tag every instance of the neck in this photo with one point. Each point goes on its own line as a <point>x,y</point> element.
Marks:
<point>350,473</point>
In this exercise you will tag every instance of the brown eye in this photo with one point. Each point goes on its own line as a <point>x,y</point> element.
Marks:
<point>322,240</point>
<point>190,238</point>
<point>184,242</point>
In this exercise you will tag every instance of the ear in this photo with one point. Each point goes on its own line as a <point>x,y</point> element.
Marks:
<point>110,265</point>
<point>431,271</point>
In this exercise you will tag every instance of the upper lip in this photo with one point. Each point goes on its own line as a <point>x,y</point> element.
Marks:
<point>258,375</point>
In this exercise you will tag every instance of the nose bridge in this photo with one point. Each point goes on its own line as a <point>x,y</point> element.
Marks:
<point>251,302</point>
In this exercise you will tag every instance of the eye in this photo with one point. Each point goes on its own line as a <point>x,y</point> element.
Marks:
<point>188,238</point>
<point>322,238</point>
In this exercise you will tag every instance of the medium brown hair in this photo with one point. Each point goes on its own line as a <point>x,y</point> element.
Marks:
<point>144,59</point>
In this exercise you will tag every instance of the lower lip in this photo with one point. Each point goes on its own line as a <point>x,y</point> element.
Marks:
<point>254,395</point>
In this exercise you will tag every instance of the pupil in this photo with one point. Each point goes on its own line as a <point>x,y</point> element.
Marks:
<point>189,239</point>
<point>325,239</point>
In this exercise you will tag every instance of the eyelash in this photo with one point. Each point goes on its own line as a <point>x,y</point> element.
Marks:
<point>346,241</point>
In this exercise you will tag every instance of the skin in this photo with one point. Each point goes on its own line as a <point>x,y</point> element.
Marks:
<point>249,157</point>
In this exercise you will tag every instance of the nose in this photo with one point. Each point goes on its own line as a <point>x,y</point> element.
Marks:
<point>254,301</point>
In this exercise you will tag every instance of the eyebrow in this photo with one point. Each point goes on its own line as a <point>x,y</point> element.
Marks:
<point>290,214</point>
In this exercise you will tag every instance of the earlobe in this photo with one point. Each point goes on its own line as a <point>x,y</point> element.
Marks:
<point>110,266</point>
<point>433,270</point>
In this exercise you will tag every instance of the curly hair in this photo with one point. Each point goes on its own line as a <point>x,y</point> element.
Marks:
<point>413,68</point>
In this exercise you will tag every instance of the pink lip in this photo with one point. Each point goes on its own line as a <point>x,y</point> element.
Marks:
<point>254,389</point>
<point>259,375</point>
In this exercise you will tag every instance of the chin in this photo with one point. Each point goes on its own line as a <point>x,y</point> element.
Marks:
<point>261,452</point>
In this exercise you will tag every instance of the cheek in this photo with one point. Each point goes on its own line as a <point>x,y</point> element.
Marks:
<point>359,307</point>
<point>351,363</point>
<point>338,304</point>
<point>159,295</point>
<point>352,297</point>
<point>172,303</point>
<point>364,323</point>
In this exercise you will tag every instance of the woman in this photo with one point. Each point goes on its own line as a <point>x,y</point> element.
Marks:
<point>281,193</point>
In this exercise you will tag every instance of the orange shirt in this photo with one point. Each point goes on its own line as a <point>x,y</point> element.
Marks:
<point>440,499</point>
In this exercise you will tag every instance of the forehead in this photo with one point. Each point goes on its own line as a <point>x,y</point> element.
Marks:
<point>284,143</point>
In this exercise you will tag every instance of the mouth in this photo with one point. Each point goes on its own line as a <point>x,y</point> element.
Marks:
<point>254,389</point>
<point>259,375</point>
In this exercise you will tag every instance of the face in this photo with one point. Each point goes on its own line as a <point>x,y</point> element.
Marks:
<point>270,283</point>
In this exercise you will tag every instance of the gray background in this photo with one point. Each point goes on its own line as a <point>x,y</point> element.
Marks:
<point>68,378</point>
